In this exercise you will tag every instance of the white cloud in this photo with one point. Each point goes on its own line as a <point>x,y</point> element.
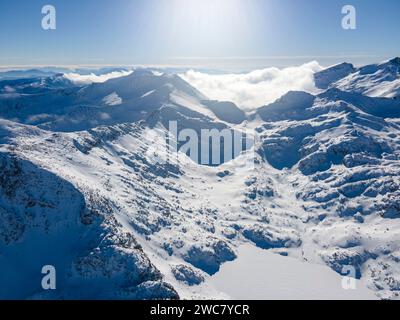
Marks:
<point>112,99</point>
<point>93,78</point>
<point>257,88</point>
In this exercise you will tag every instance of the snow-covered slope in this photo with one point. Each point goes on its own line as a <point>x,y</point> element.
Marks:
<point>344,163</point>
<point>327,77</point>
<point>377,80</point>
<point>83,188</point>
<point>46,219</point>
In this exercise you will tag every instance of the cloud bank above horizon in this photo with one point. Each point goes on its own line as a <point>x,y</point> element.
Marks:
<point>86,79</point>
<point>252,90</point>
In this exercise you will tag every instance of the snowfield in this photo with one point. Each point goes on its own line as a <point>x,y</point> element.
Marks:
<point>85,187</point>
<point>275,277</point>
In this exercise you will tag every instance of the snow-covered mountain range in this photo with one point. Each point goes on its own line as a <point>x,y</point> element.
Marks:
<point>83,188</point>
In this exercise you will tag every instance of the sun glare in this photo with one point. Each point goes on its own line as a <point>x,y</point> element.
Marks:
<point>217,23</point>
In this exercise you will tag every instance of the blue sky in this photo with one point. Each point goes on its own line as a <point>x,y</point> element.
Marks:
<point>197,32</point>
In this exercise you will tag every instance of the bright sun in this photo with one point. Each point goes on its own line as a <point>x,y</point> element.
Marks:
<point>212,23</point>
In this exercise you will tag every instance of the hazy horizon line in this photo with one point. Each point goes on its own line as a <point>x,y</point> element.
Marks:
<point>213,63</point>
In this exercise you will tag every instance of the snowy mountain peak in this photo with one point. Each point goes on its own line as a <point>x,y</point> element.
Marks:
<point>395,61</point>
<point>325,78</point>
<point>291,105</point>
<point>375,80</point>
